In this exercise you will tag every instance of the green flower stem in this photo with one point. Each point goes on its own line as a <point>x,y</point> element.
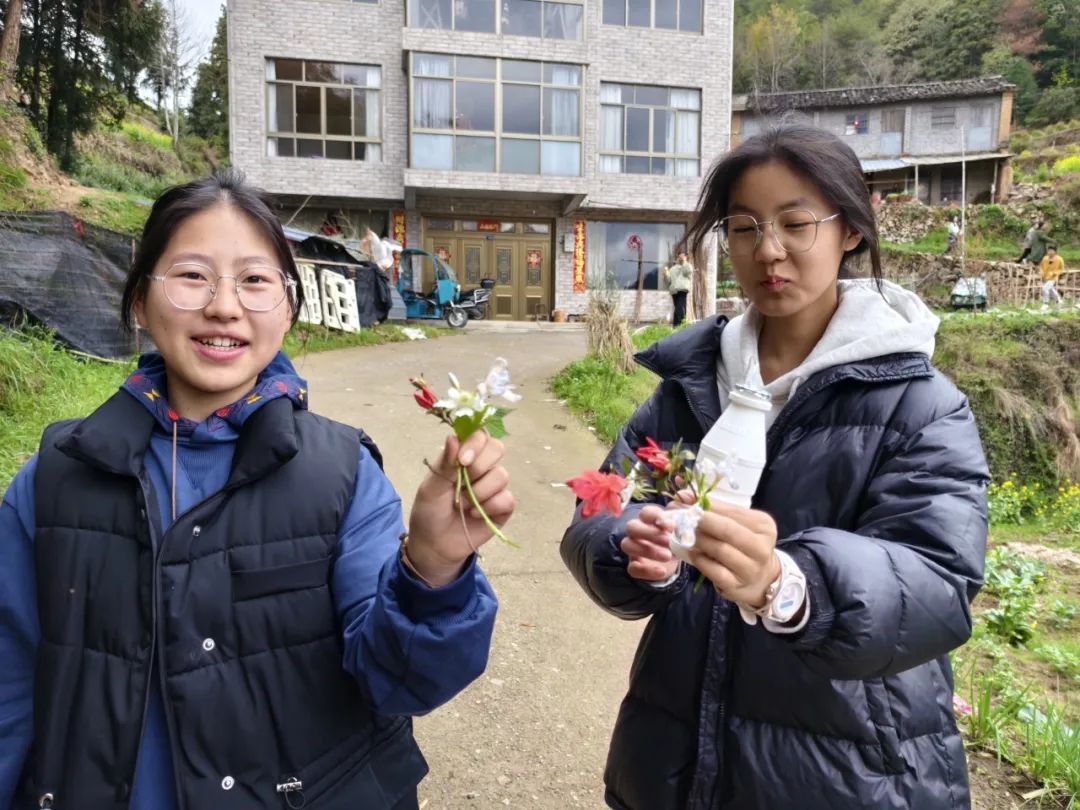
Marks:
<point>495,530</point>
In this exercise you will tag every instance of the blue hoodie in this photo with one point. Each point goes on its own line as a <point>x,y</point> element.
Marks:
<point>411,648</point>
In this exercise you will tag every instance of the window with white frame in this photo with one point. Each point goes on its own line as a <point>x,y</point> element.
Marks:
<point>675,15</point>
<point>549,19</point>
<point>943,117</point>
<point>481,114</point>
<point>323,110</point>
<point>650,130</point>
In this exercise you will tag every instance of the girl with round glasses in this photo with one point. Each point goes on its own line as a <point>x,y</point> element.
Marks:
<point>206,594</point>
<point>871,508</point>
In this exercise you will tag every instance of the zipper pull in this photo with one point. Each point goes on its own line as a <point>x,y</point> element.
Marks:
<point>46,801</point>
<point>291,786</point>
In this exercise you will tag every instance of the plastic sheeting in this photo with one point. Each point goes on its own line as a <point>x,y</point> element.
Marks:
<point>57,271</point>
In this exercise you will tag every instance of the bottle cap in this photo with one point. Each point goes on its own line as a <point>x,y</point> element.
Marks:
<point>751,397</point>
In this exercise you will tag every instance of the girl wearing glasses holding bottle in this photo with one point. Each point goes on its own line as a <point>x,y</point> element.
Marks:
<point>870,509</point>
<point>206,598</point>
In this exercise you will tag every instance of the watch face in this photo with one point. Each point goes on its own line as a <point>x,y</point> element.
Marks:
<point>788,601</point>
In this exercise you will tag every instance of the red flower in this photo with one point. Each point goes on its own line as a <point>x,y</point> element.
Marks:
<point>426,398</point>
<point>600,492</point>
<point>173,415</point>
<point>654,456</point>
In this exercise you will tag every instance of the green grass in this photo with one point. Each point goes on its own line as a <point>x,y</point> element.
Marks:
<point>41,383</point>
<point>140,134</point>
<point>117,213</point>
<point>605,398</point>
<point>99,171</point>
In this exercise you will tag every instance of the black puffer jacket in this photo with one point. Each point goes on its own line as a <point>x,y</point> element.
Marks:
<point>877,481</point>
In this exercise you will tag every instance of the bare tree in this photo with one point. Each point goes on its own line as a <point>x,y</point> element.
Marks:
<point>9,49</point>
<point>176,60</point>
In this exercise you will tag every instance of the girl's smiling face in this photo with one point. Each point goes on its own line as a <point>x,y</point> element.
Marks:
<point>214,355</point>
<point>782,284</point>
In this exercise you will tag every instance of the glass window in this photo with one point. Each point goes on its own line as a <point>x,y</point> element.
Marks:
<point>521,109</point>
<point>475,67</point>
<point>637,129</point>
<point>432,152</point>
<point>856,124</point>
<point>328,104</point>
<point>560,158</point>
<point>522,17</point>
<point>563,21</point>
<point>942,117</point>
<point>286,70</point>
<point>475,106</point>
<point>615,261</point>
<point>537,227</point>
<point>690,16</point>
<point>650,130</point>
<point>681,15</point>
<point>614,12</point>
<point>540,104</point>
<point>516,71</point>
<point>474,15</point>
<point>667,15</point>
<point>431,13</point>
<point>639,12</point>
<point>474,154</point>
<point>308,109</point>
<point>520,156</point>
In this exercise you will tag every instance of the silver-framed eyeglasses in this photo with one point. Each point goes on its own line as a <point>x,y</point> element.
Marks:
<point>793,231</point>
<point>259,288</point>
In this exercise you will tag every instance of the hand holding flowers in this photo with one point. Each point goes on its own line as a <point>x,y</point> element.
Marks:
<point>444,530</point>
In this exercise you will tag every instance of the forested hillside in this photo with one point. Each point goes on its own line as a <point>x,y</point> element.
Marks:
<point>806,44</point>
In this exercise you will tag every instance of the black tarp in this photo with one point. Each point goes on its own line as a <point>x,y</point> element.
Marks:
<point>66,275</point>
<point>373,300</point>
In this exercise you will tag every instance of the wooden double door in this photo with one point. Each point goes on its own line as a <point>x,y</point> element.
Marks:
<point>520,263</point>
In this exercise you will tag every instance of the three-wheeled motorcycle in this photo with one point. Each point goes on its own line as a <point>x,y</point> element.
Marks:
<point>416,267</point>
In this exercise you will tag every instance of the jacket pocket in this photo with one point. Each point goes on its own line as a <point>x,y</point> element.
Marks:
<point>883,719</point>
<point>362,772</point>
<point>256,582</point>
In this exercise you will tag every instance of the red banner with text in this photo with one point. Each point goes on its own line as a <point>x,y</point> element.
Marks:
<point>579,256</point>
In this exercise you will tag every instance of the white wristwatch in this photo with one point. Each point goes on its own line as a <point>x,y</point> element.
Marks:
<point>783,599</point>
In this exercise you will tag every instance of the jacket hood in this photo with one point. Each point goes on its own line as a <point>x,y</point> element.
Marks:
<point>149,386</point>
<point>868,323</point>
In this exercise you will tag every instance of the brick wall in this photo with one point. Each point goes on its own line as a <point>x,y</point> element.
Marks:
<point>340,31</point>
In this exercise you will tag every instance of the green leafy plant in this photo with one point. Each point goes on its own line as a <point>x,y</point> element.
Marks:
<point>1062,612</point>
<point>1015,581</point>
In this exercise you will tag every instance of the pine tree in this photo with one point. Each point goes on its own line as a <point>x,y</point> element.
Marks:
<point>209,112</point>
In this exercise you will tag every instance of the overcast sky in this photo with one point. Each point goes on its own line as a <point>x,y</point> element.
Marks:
<point>203,16</point>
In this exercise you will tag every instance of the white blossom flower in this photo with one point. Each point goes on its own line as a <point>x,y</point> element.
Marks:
<point>683,524</point>
<point>628,491</point>
<point>497,382</point>
<point>460,402</point>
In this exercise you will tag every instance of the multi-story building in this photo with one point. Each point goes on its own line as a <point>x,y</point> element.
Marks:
<point>921,139</point>
<point>551,145</point>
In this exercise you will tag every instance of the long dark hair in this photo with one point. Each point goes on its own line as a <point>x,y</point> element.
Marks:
<point>820,156</point>
<point>180,202</point>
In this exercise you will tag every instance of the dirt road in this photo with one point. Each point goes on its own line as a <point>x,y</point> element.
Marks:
<point>532,732</point>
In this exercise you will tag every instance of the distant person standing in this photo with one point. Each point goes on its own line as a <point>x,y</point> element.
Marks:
<point>1029,238</point>
<point>1050,269</point>
<point>680,279</point>
<point>952,228</point>
<point>1040,243</point>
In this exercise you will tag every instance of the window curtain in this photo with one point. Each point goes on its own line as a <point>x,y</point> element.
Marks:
<point>610,94</point>
<point>564,111</point>
<point>686,99</point>
<point>596,275</point>
<point>372,114</point>
<point>562,20</point>
<point>374,77</point>
<point>434,98</point>
<point>687,134</point>
<point>611,129</point>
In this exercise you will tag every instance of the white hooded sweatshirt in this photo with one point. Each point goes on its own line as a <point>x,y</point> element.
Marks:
<point>867,324</point>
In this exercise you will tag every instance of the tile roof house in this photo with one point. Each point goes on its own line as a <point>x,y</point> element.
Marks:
<point>933,139</point>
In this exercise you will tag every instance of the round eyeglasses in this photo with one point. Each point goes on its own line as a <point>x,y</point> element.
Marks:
<point>192,286</point>
<point>793,231</point>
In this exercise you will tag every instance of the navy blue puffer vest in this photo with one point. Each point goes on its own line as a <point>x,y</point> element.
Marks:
<point>236,607</point>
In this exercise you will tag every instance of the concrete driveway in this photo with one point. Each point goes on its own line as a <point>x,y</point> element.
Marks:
<point>532,732</point>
